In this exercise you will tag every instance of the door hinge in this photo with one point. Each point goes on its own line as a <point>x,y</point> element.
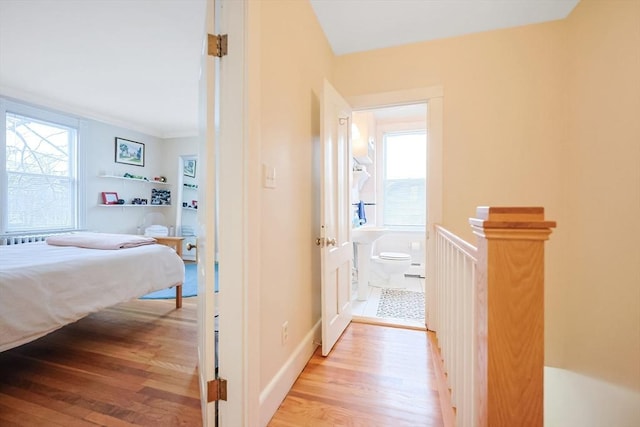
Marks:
<point>217,390</point>
<point>217,45</point>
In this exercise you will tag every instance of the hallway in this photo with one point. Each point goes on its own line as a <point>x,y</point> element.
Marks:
<point>375,376</point>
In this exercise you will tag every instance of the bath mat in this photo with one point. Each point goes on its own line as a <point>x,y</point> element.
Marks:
<point>401,304</point>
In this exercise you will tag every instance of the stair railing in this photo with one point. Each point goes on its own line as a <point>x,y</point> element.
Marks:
<point>488,316</point>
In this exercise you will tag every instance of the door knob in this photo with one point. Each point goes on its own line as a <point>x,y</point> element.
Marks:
<point>191,246</point>
<point>331,242</point>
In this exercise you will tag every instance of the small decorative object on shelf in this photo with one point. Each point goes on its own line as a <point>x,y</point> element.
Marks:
<point>192,206</point>
<point>160,179</point>
<point>160,197</point>
<point>138,201</point>
<point>131,176</point>
<point>109,198</point>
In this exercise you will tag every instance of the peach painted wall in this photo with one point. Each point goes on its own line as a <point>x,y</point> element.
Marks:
<point>548,115</point>
<point>602,193</point>
<point>295,57</point>
<point>504,111</point>
<point>501,111</point>
<point>545,115</point>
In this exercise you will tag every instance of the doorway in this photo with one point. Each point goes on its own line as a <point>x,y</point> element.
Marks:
<point>389,192</point>
<point>432,118</point>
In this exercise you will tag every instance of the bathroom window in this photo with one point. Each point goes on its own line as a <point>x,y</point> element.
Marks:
<point>404,173</point>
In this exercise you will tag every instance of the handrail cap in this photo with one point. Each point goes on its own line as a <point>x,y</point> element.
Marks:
<point>529,217</point>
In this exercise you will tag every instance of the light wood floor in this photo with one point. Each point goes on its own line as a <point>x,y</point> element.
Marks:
<point>375,376</point>
<point>133,364</point>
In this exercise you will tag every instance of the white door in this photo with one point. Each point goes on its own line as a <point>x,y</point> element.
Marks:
<point>206,178</point>
<point>335,225</point>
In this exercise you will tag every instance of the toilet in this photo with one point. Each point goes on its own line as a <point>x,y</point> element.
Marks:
<point>394,265</point>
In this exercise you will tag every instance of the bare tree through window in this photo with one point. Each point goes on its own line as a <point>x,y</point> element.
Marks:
<point>41,178</point>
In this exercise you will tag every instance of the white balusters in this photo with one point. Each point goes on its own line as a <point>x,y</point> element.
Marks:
<point>454,319</point>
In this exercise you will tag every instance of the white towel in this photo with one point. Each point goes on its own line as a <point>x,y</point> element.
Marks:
<point>99,240</point>
<point>156,231</point>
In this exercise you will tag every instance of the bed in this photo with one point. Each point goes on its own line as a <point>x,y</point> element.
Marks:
<point>44,287</point>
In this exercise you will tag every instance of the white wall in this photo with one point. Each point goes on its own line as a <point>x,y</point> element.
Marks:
<point>572,399</point>
<point>97,158</point>
<point>99,151</point>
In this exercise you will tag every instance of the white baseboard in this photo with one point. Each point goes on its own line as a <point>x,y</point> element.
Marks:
<point>274,393</point>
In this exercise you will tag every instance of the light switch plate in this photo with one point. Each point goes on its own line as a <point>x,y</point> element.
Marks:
<point>268,176</point>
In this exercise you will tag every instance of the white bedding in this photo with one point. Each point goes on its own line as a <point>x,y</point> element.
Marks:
<point>44,287</point>
<point>107,241</point>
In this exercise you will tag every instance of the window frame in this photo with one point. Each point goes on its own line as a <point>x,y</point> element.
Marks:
<point>381,131</point>
<point>78,162</point>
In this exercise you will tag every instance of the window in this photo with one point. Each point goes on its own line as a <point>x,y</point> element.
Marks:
<point>404,174</point>
<point>40,190</point>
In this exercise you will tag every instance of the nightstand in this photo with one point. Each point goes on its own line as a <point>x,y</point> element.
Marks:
<point>172,242</point>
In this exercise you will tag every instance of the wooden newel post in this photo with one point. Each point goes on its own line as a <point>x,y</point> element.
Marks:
<point>510,315</point>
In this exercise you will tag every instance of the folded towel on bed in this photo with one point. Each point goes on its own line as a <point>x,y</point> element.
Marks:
<point>99,240</point>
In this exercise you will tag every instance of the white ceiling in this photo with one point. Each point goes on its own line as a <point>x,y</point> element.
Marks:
<point>136,63</point>
<point>129,62</point>
<point>361,25</point>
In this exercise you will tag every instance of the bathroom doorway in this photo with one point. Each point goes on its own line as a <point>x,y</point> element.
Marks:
<point>389,192</point>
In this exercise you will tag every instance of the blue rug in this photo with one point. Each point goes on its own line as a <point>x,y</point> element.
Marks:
<point>189,287</point>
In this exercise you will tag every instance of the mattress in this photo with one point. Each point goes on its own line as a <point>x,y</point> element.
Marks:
<point>44,287</point>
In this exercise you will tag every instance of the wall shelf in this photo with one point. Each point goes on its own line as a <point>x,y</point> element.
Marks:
<point>129,205</point>
<point>146,181</point>
<point>130,190</point>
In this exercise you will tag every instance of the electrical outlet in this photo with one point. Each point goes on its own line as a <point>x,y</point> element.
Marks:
<point>285,332</point>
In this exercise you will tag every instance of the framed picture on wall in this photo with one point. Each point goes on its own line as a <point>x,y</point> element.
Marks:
<point>129,152</point>
<point>190,168</point>
<point>109,198</point>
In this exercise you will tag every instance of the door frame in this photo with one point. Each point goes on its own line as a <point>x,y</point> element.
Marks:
<point>239,201</point>
<point>433,96</point>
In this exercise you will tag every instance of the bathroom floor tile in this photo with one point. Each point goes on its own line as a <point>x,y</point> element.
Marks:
<point>369,308</point>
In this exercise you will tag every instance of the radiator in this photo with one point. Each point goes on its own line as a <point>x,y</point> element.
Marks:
<point>25,238</point>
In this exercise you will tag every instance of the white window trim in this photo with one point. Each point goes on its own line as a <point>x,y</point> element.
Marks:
<point>12,106</point>
<point>381,130</point>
